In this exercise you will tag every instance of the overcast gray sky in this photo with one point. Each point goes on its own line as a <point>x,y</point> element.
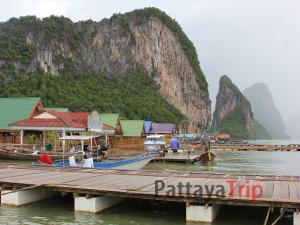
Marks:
<point>249,40</point>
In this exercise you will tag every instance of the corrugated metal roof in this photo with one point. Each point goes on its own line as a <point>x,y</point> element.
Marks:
<point>110,119</point>
<point>15,109</point>
<point>163,128</point>
<point>132,128</point>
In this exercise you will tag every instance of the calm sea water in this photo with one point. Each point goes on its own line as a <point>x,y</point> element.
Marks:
<point>257,163</point>
<point>275,142</point>
<point>143,212</point>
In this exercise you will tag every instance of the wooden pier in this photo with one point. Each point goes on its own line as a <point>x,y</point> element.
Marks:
<point>178,158</point>
<point>100,189</point>
<point>255,147</point>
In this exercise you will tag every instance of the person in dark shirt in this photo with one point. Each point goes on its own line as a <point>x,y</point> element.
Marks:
<point>87,153</point>
<point>102,149</point>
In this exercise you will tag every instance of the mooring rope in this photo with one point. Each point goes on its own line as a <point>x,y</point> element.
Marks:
<point>279,217</point>
<point>267,217</point>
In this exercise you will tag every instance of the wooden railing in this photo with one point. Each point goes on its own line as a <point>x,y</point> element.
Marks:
<point>8,140</point>
<point>128,142</point>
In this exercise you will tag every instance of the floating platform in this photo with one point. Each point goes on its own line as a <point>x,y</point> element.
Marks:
<point>178,158</point>
<point>95,190</point>
<point>256,147</point>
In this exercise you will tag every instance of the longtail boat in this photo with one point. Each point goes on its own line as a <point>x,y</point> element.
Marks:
<point>24,155</point>
<point>134,163</point>
<point>207,157</point>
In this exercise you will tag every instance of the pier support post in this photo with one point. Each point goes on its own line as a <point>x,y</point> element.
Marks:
<point>201,213</point>
<point>19,198</point>
<point>95,204</point>
<point>296,218</point>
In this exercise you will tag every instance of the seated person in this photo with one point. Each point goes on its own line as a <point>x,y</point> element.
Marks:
<point>45,159</point>
<point>87,153</point>
<point>102,149</point>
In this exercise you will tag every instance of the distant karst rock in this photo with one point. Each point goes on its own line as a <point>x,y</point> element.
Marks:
<point>233,113</point>
<point>265,110</point>
<point>293,127</point>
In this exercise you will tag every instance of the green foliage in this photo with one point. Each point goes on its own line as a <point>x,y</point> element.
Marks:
<point>260,132</point>
<point>234,123</point>
<point>13,44</point>
<point>134,98</point>
<point>223,97</point>
<point>61,29</point>
<point>186,43</point>
<point>122,21</point>
<point>13,34</point>
<point>227,81</point>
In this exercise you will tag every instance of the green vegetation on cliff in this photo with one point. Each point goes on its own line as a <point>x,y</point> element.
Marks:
<point>260,132</point>
<point>233,113</point>
<point>234,123</point>
<point>134,98</point>
<point>14,33</point>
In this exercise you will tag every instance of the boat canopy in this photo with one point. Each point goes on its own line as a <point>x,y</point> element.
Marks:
<point>79,137</point>
<point>155,136</point>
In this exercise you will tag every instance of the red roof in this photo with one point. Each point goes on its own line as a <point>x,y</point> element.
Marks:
<point>63,119</point>
<point>40,123</point>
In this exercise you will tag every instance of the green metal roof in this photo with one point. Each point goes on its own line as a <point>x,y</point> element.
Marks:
<point>132,128</point>
<point>58,109</point>
<point>110,119</point>
<point>15,109</point>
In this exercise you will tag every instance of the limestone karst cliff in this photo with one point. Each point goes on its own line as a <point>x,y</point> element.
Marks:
<point>146,41</point>
<point>233,113</point>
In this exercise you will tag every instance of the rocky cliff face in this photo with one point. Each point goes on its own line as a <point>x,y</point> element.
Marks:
<point>233,111</point>
<point>146,40</point>
<point>265,110</point>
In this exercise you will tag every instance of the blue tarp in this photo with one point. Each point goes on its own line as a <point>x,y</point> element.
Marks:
<point>175,144</point>
<point>188,135</point>
<point>148,126</point>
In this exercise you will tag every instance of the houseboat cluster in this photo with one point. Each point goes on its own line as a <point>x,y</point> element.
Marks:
<point>25,123</point>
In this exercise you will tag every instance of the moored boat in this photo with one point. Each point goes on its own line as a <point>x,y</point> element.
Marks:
<point>207,157</point>
<point>24,155</point>
<point>134,163</point>
<point>155,143</point>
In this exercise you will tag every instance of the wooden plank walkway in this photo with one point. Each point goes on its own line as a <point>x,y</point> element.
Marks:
<point>178,158</point>
<point>277,191</point>
<point>255,147</point>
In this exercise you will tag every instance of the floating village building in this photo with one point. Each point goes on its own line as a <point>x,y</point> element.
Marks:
<point>26,121</point>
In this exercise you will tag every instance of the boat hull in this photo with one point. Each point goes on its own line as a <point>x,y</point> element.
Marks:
<point>134,163</point>
<point>10,155</point>
<point>207,157</point>
<point>134,166</point>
